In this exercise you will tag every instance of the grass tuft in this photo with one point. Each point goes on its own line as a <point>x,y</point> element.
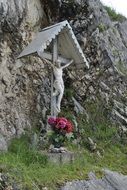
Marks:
<point>114,15</point>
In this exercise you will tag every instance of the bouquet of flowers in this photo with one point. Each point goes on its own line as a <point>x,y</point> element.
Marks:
<point>60,124</point>
<point>61,127</point>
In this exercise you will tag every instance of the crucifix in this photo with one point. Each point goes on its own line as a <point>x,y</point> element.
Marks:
<point>65,50</point>
<point>57,83</point>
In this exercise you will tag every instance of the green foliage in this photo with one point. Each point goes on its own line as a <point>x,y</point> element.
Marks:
<point>98,111</point>
<point>114,15</point>
<point>103,135</point>
<point>19,145</point>
<point>101,27</point>
<point>99,127</point>
<point>56,139</point>
<point>122,69</point>
<point>33,171</point>
<point>22,150</point>
<point>67,114</point>
<point>69,93</point>
<point>35,176</point>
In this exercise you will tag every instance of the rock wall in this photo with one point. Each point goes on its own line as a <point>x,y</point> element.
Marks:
<point>25,85</point>
<point>105,45</point>
<point>110,181</point>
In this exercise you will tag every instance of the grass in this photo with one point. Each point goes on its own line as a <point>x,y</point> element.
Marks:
<point>35,176</point>
<point>31,170</point>
<point>114,15</point>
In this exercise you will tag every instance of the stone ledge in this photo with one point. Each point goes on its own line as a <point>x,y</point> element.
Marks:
<point>60,158</point>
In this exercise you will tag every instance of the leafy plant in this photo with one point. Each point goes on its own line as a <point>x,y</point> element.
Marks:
<point>114,15</point>
<point>69,93</point>
<point>101,27</point>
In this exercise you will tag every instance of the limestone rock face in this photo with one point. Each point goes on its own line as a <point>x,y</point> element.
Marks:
<point>3,143</point>
<point>24,84</point>
<point>104,44</point>
<point>111,181</point>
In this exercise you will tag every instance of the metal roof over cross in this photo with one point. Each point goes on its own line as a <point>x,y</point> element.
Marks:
<point>57,42</point>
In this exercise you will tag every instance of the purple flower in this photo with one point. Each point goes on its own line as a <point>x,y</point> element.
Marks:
<point>52,121</point>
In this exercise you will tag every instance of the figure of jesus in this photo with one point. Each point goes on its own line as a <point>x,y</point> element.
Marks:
<point>58,82</point>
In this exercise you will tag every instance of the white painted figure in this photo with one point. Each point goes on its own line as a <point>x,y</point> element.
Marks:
<point>58,82</point>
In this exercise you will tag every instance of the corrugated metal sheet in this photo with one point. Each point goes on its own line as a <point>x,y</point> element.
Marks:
<point>68,45</point>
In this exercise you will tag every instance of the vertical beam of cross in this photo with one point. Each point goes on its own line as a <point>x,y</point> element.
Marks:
<point>54,59</point>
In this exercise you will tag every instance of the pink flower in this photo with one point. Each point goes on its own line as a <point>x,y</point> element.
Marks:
<point>61,122</point>
<point>69,127</point>
<point>52,121</point>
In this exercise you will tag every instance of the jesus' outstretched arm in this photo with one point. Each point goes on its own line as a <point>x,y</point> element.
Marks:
<point>67,64</point>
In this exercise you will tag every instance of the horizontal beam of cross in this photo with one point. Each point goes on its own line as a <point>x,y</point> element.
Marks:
<point>47,55</point>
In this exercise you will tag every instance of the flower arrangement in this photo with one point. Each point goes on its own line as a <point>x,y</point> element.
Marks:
<point>60,124</point>
<point>61,127</point>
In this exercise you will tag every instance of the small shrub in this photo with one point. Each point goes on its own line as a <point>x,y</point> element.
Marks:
<point>101,27</point>
<point>69,93</point>
<point>114,15</point>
